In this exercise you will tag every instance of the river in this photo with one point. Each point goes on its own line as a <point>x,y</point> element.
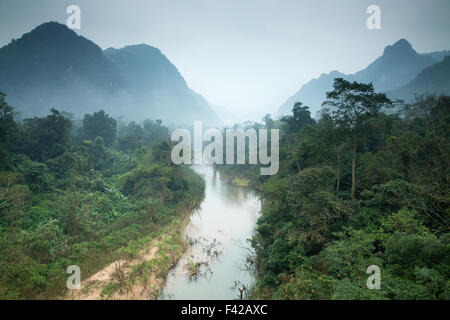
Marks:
<point>218,234</point>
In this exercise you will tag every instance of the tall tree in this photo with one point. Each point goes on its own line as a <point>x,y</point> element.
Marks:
<point>353,104</point>
<point>8,131</point>
<point>45,138</point>
<point>301,117</point>
<point>331,136</point>
<point>100,124</point>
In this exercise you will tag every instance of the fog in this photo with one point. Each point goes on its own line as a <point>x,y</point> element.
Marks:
<point>246,56</point>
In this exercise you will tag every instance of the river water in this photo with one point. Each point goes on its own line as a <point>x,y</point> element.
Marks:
<point>218,234</point>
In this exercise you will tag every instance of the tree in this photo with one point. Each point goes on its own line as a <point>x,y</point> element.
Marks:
<point>330,136</point>
<point>269,123</point>
<point>354,104</point>
<point>7,130</point>
<point>315,209</point>
<point>45,138</point>
<point>301,117</point>
<point>99,124</point>
<point>432,115</point>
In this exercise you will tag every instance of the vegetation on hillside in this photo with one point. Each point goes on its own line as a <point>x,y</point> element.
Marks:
<point>81,196</point>
<point>362,186</point>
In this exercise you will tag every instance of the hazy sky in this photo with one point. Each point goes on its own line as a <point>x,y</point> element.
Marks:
<point>246,55</point>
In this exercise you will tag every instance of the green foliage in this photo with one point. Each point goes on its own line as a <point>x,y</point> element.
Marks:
<point>301,117</point>
<point>8,132</point>
<point>66,201</point>
<point>316,211</point>
<point>35,174</point>
<point>354,107</point>
<point>353,104</point>
<point>313,242</point>
<point>99,124</point>
<point>134,136</point>
<point>45,138</point>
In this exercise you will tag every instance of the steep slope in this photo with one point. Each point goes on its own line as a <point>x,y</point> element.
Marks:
<point>438,56</point>
<point>52,66</point>
<point>156,86</point>
<point>312,93</point>
<point>398,65</point>
<point>434,79</point>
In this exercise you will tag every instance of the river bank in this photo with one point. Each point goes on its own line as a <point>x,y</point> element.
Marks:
<point>218,261</point>
<point>141,276</point>
<point>202,255</point>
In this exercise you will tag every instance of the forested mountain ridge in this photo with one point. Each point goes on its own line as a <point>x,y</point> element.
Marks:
<point>438,56</point>
<point>398,65</point>
<point>52,66</point>
<point>154,81</point>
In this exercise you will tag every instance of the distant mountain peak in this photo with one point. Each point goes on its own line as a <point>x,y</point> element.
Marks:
<point>51,25</point>
<point>398,65</point>
<point>54,66</point>
<point>51,30</point>
<point>400,48</point>
<point>49,38</point>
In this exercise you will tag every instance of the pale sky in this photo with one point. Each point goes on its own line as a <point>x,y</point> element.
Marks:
<point>246,55</point>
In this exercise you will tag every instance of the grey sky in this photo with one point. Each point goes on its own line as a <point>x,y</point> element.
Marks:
<point>246,55</point>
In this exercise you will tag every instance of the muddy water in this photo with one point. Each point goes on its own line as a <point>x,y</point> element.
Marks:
<point>217,232</point>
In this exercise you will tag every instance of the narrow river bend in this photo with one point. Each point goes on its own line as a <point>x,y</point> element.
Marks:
<point>217,232</point>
